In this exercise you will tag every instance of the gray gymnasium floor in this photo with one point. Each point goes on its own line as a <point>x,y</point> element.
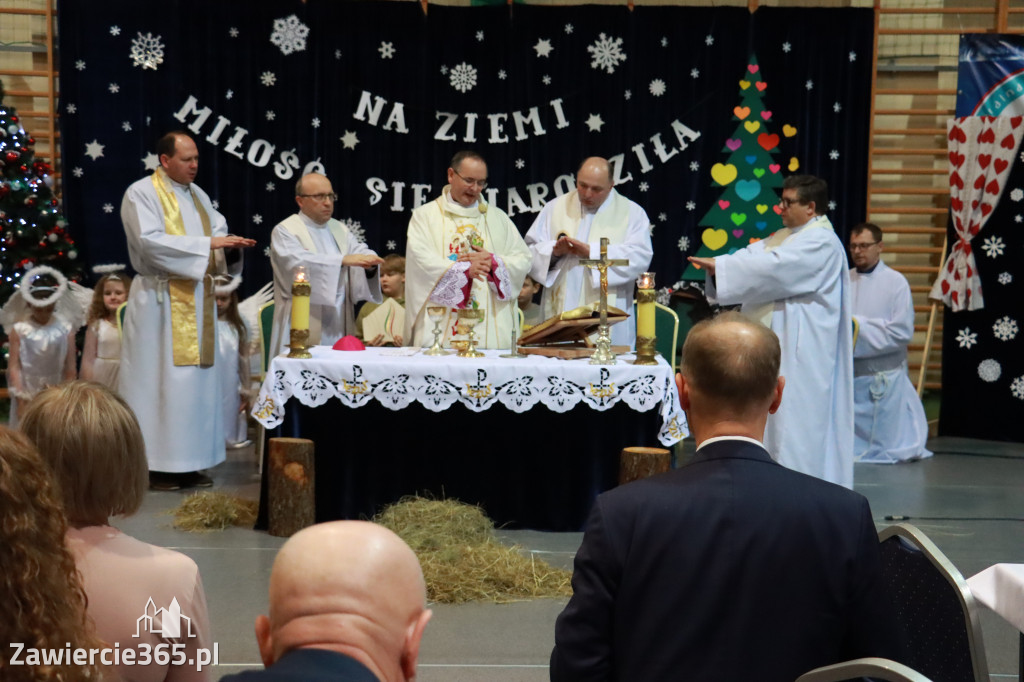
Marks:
<point>967,499</point>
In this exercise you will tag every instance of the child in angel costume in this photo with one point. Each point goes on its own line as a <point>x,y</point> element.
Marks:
<point>41,319</point>
<point>101,354</point>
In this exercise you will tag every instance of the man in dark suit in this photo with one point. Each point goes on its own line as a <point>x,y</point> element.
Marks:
<point>732,567</point>
<point>347,603</point>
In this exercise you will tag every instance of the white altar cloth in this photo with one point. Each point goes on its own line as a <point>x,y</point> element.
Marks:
<point>396,379</point>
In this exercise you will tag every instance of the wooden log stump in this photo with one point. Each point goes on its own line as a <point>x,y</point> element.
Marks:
<point>638,462</point>
<point>290,486</point>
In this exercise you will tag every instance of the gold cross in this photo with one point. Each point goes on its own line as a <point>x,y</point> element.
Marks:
<point>603,355</point>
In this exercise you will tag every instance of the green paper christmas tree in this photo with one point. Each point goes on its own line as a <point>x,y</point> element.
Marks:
<point>747,208</point>
<point>32,229</point>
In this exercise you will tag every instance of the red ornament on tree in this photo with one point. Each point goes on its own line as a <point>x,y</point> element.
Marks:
<point>12,157</point>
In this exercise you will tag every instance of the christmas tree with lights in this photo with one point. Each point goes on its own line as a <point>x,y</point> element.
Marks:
<point>32,230</point>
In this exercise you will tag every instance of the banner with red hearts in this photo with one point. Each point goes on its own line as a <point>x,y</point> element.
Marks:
<point>981,152</point>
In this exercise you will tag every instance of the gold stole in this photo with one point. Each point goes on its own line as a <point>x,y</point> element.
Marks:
<point>187,350</point>
<point>297,227</point>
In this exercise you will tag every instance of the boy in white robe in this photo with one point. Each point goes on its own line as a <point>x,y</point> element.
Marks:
<point>797,282</point>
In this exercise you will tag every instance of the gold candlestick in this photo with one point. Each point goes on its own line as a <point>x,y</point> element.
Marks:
<point>301,291</point>
<point>645,327</point>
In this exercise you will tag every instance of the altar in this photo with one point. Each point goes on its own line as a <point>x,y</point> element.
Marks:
<point>532,440</point>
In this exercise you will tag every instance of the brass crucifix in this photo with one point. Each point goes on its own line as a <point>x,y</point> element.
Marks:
<point>603,355</point>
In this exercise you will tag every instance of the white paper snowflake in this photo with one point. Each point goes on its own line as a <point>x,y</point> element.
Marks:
<point>444,70</point>
<point>837,107</point>
<point>94,149</point>
<point>606,53</point>
<point>1017,194</point>
<point>695,73</point>
<point>315,123</point>
<point>809,84</point>
<point>643,186</point>
<point>568,29</point>
<point>786,47</point>
<point>664,41</point>
<point>832,205</point>
<point>966,338</point>
<point>387,50</point>
<point>229,94</point>
<point>709,40</point>
<point>546,80</point>
<point>695,165</point>
<point>356,228</point>
<point>108,208</point>
<point>1005,278</point>
<point>520,164</point>
<point>543,47</point>
<point>270,187</point>
<point>463,77</point>
<point>71,108</point>
<point>289,34</point>
<point>663,217</point>
<point>266,251</point>
<point>657,87</point>
<point>650,228</point>
<point>1018,218</point>
<point>257,219</point>
<point>268,78</point>
<point>114,88</point>
<point>1005,328</point>
<point>989,370</point>
<point>77,172</point>
<point>213,202</point>
<point>627,94</point>
<point>233,32</point>
<point>834,154</point>
<point>853,56</point>
<point>690,205</point>
<point>151,162</point>
<point>337,54</point>
<point>126,126</point>
<point>147,51</point>
<point>349,140</point>
<point>1017,388</point>
<point>271,115</point>
<point>993,246</point>
<point>480,36</point>
<point>80,65</point>
<point>391,245</point>
<point>594,123</point>
<point>502,75</point>
<point>684,243</point>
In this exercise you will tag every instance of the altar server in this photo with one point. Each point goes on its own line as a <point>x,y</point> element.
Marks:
<point>797,282</point>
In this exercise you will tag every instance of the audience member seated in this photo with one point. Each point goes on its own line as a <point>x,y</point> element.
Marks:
<point>42,597</point>
<point>732,567</point>
<point>347,602</point>
<point>392,285</point>
<point>92,442</point>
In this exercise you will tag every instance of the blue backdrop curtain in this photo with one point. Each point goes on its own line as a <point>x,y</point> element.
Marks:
<point>380,95</point>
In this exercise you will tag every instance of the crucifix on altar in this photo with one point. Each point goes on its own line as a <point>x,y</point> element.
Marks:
<point>603,355</point>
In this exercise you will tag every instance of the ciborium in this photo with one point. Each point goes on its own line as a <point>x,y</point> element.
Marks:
<point>436,313</point>
<point>468,320</point>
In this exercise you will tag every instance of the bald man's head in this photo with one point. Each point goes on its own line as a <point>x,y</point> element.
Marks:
<point>594,182</point>
<point>349,586</point>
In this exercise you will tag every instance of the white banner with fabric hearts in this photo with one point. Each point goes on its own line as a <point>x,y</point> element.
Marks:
<point>981,153</point>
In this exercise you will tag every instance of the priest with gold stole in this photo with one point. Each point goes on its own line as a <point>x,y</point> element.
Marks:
<point>570,228</point>
<point>462,253</point>
<point>176,241</point>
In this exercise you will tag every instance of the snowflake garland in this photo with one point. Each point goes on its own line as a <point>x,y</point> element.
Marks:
<point>966,338</point>
<point>1005,328</point>
<point>606,52</point>
<point>289,35</point>
<point>147,51</point>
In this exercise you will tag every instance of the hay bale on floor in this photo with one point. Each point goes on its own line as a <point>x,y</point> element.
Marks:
<point>207,511</point>
<point>461,558</point>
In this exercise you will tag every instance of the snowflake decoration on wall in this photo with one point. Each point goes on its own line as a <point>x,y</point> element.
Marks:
<point>233,31</point>
<point>268,78</point>
<point>834,154</point>
<point>1017,388</point>
<point>356,228</point>
<point>606,53</point>
<point>993,246</point>
<point>1017,194</point>
<point>989,370</point>
<point>315,123</point>
<point>387,50</point>
<point>502,75</point>
<point>546,80</point>
<point>147,51</point>
<point>628,94</point>
<point>709,40</point>
<point>444,70</point>
<point>257,219</point>
<point>108,208</point>
<point>463,77</point>
<point>568,29</point>
<point>809,84</point>
<point>271,115</point>
<point>643,186</point>
<point>115,30</point>
<point>837,107</point>
<point>684,243</point>
<point>1005,328</point>
<point>480,36</point>
<point>695,165</point>
<point>831,205</point>
<point>543,47</point>
<point>77,172</point>
<point>71,108</point>
<point>391,245</point>
<point>289,34</point>
<point>966,338</point>
<point>229,94</point>
<point>663,217</point>
<point>695,73</point>
<point>126,126</point>
<point>657,87</point>
<point>786,47</point>
<point>520,164</point>
<point>690,205</point>
<point>80,66</point>
<point>270,187</point>
<point>1005,278</point>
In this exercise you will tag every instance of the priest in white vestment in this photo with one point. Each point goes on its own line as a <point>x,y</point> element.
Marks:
<point>175,241</point>
<point>889,425</point>
<point>341,269</point>
<point>462,253</point>
<point>797,283</point>
<point>570,228</point>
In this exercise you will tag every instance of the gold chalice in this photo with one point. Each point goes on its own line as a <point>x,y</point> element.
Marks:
<point>469,319</point>
<point>436,313</point>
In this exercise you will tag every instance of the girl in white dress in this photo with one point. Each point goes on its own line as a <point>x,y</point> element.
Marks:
<point>101,355</point>
<point>41,319</point>
<point>232,360</point>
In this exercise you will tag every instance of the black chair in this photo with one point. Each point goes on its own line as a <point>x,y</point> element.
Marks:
<point>935,608</point>
<point>875,668</point>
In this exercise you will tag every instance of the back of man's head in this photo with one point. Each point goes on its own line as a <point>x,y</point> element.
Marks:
<point>731,367</point>
<point>352,587</point>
